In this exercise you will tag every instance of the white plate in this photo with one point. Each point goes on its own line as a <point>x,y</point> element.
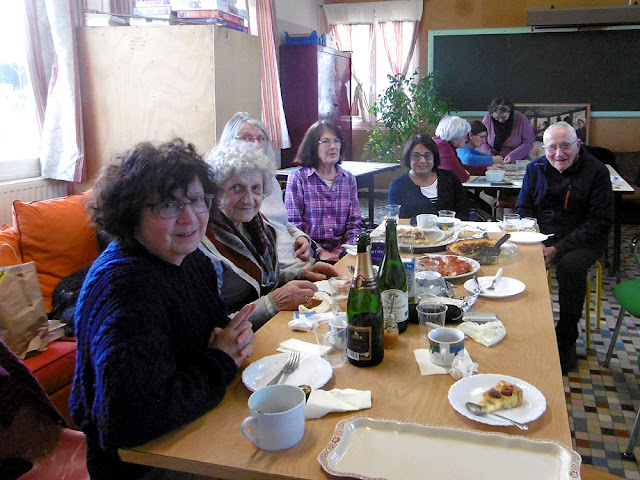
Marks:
<point>528,237</point>
<point>475,266</point>
<point>313,370</point>
<point>470,389</point>
<point>350,249</point>
<point>506,287</point>
<point>369,448</point>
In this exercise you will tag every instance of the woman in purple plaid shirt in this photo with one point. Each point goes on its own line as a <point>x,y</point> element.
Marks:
<point>321,197</point>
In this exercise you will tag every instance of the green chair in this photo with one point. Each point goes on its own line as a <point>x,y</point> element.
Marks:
<point>628,453</point>
<point>628,295</point>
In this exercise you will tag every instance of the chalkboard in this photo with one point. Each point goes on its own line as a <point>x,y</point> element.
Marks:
<point>600,67</point>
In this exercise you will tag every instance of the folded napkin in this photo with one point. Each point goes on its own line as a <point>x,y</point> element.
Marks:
<point>306,321</point>
<point>295,345</point>
<point>462,365</point>
<point>487,334</point>
<point>321,402</point>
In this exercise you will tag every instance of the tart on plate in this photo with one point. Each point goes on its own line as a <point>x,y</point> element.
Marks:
<point>503,396</point>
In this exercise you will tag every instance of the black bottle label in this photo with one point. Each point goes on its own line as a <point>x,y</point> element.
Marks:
<point>359,343</point>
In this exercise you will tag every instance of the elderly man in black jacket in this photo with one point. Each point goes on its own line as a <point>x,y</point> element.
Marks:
<point>569,192</point>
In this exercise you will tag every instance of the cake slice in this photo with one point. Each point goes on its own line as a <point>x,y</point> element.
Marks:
<point>503,396</point>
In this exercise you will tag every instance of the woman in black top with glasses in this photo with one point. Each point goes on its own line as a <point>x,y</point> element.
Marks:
<point>425,188</point>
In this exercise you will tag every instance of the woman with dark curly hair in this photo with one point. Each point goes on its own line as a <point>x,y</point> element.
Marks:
<point>425,188</point>
<point>155,348</point>
<point>321,197</point>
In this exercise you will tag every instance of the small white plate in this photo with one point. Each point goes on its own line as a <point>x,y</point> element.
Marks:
<point>528,237</point>
<point>313,370</point>
<point>470,389</point>
<point>506,287</point>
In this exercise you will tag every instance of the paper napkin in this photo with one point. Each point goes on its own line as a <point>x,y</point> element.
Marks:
<point>295,345</point>
<point>321,402</point>
<point>462,366</point>
<point>306,321</point>
<point>487,334</point>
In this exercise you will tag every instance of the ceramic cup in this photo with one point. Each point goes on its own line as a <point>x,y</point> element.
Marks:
<point>332,340</point>
<point>444,344</point>
<point>276,417</point>
<point>425,221</point>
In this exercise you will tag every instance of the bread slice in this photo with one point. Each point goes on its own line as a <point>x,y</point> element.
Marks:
<point>503,396</point>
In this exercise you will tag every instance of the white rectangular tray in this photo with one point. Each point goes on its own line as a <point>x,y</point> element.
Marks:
<point>369,448</point>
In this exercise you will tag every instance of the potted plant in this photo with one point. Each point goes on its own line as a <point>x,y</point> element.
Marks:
<point>410,105</point>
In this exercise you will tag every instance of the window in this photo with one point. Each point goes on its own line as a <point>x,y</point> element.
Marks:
<point>374,83</point>
<point>19,129</point>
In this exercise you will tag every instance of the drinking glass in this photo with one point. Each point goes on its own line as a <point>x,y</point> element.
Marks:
<point>528,224</point>
<point>426,221</point>
<point>392,211</point>
<point>431,314</point>
<point>510,222</point>
<point>446,219</point>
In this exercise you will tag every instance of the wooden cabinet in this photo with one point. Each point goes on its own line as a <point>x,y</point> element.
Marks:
<point>316,85</point>
<point>156,83</point>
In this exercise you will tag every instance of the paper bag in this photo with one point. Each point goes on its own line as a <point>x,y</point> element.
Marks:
<point>23,318</point>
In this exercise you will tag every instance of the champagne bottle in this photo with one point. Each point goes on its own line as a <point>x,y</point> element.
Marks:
<point>365,329</point>
<point>392,280</point>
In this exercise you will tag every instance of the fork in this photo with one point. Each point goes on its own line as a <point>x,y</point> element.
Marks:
<point>292,363</point>
<point>495,279</point>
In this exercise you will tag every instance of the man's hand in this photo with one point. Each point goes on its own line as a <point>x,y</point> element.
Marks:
<point>303,248</point>
<point>549,253</point>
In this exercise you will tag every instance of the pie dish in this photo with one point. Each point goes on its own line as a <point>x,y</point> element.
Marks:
<point>370,448</point>
<point>453,267</point>
<point>472,246</point>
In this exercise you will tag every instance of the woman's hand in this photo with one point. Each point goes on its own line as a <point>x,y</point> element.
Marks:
<point>329,256</point>
<point>236,340</point>
<point>319,271</point>
<point>303,248</point>
<point>508,159</point>
<point>293,293</point>
<point>498,159</point>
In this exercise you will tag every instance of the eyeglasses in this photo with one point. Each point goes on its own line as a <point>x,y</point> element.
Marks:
<point>328,141</point>
<point>415,156</point>
<point>174,209</point>
<point>563,146</point>
<point>261,139</point>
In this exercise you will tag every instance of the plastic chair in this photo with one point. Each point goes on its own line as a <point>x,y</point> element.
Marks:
<point>628,295</point>
<point>628,453</point>
<point>587,302</point>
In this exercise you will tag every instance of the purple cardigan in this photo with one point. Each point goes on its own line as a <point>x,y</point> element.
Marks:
<point>518,144</point>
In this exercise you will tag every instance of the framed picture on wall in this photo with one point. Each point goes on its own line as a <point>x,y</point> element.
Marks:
<point>542,115</point>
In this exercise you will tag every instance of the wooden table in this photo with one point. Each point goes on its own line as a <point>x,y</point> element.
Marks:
<point>364,172</point>
<point>213,444</point>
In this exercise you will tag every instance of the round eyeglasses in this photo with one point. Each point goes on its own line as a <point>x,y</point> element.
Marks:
<point>261,139</point>
<point>174,209</point>
<point>563,146</point>
<point>415,156</point>
<point>328,141</point>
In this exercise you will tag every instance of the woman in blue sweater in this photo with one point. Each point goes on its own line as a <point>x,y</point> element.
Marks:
<point>469,153</point>
<point>425,188</point>
<point>155,348</point>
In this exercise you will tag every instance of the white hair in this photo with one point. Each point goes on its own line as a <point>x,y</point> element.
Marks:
<point>235,124</point>
<point>452,127</point>
<point>239,158</point>
<point>558,125</point>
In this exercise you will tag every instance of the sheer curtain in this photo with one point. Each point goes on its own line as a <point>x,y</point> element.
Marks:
<point>52,58</point>
<point>392,36</point>
<point>272,110</point>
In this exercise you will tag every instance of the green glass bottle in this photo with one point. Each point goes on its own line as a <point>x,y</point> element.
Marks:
<point>392,280</point>
<point>365,329</point>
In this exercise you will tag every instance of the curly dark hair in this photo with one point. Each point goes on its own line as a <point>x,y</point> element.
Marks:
<point>427,142</point>
<point>146,173</point>
<point>307,155</point>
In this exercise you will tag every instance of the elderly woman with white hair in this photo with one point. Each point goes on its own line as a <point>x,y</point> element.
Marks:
<point>242,243</point>
<point>293,245</point>
<point>451,133</point>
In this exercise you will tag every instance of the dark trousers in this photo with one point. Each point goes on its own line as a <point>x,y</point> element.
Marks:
<point>571,272</point>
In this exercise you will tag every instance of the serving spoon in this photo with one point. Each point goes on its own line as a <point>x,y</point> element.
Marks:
<point>476,410</point>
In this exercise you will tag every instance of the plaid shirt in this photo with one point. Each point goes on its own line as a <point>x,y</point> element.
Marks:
<point>330,216</point>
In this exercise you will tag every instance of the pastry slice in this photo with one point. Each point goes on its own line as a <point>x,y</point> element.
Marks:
<point>503,396</point>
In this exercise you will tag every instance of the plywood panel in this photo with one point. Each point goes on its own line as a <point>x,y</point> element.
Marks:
<point>237,67</point>
<point>143,83</point>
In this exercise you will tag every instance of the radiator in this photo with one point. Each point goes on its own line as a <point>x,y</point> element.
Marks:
<point>28,190</point>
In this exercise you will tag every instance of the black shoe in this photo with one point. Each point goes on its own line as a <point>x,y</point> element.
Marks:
<point>568,359</point>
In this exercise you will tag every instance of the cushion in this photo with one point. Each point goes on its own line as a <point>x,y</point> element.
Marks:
<point>58,236</point>
<point>54,368</point>
<point>7,237</point>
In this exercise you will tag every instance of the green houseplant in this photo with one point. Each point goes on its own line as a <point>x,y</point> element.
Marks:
<point>410,105</point>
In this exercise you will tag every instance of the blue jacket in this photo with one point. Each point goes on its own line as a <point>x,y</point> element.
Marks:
<point>577,205</point>
<point>471,156</point>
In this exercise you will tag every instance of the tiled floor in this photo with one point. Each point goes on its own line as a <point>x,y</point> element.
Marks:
<point>602,403</point>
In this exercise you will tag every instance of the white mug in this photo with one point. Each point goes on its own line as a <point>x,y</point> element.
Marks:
<point>425,221</point>
<point>444,344</point>
<point>276,417</point>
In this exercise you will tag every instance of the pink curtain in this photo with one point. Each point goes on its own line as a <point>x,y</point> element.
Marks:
<point>53,66</point>
<point>272,111</point>
<point>392,37</point>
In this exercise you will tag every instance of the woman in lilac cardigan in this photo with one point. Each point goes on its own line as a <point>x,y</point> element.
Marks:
<point>510,132</point>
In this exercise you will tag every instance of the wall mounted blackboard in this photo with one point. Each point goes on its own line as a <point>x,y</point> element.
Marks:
<point>600,67</point>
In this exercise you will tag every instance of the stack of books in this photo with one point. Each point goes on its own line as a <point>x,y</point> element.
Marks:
<point>219,12</point>
<point>151,10</point>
